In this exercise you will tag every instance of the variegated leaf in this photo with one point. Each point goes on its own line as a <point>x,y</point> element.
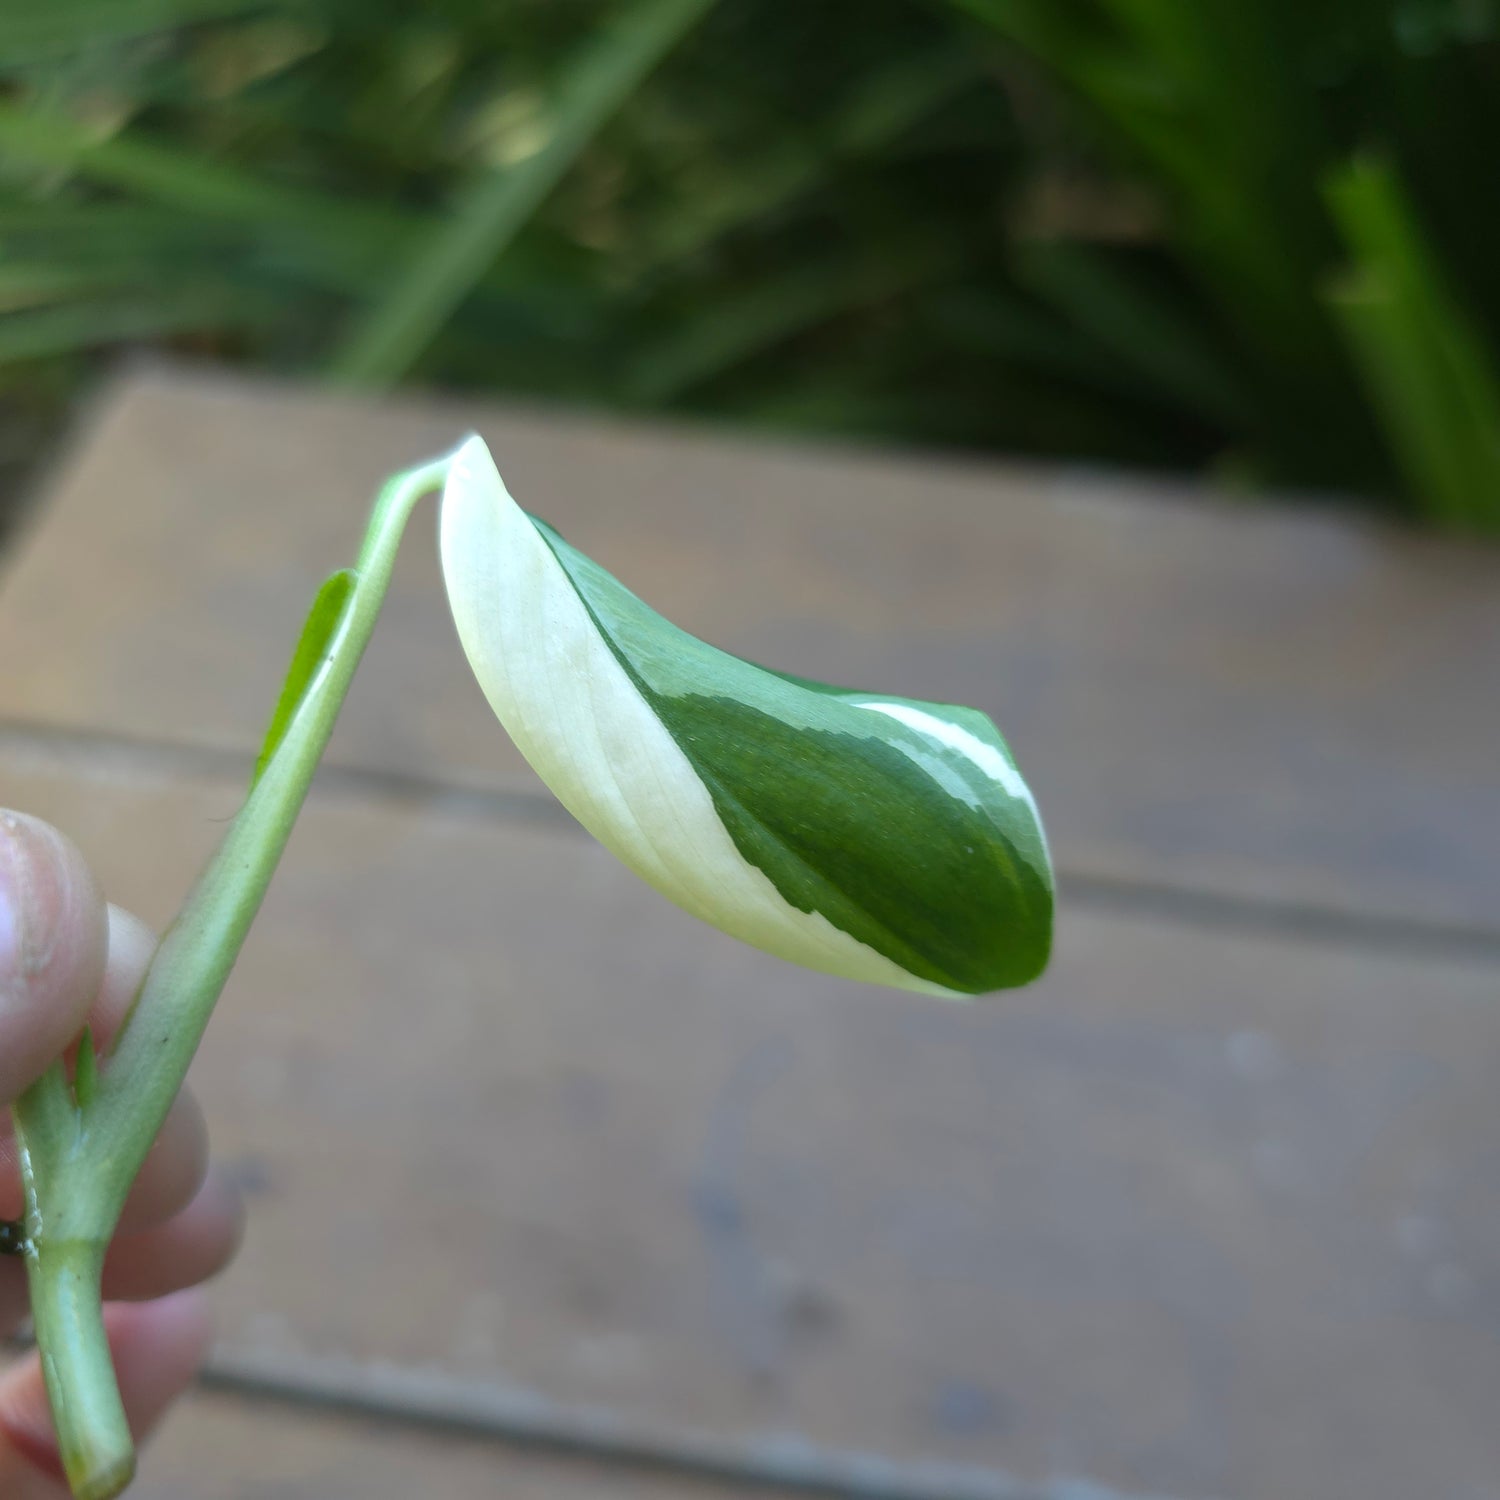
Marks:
<point>877,837</point>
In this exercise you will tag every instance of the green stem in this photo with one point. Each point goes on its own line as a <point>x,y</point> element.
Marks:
<point>81,1154</point>
<point>64,1250</point>
<point>93,1435</point>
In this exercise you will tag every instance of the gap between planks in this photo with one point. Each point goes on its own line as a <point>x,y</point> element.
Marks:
<point>100,755</point>
<point>436,1403</point>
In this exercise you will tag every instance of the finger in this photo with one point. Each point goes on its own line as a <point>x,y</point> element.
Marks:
<point>173,1171</point>
<point>53,941</point>
<point>22,1479</point>
<point>13,1297</point>
<point>196,1244</point>
<point>157,1349</point>
<point>129,947</point>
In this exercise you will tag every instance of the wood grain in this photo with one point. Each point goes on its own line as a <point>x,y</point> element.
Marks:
<point>1202,1214</point>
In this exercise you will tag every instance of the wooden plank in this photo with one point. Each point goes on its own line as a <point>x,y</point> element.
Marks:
<point>221,1448</point>
<point>1245,701</point>
<point>1199,1215</point>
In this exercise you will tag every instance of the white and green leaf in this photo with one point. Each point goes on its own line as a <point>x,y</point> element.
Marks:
<point>881,838</point>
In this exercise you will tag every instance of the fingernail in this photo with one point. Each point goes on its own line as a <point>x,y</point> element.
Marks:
<point>11,878</point>
<point>23,870</point>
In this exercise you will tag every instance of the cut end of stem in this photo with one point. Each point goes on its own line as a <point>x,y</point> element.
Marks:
<point>93,1435</point>
<point>106,1483</point>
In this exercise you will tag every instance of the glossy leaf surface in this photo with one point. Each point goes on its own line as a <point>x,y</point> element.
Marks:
<point>882,838</point>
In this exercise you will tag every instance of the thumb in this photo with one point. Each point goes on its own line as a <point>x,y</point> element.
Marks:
<point>53,943</point>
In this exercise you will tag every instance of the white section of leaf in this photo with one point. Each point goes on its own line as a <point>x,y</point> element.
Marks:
<point>970,746</point>
<point>580,721</point>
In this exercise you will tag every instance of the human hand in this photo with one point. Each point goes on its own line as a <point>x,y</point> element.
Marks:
<point>67,959</point>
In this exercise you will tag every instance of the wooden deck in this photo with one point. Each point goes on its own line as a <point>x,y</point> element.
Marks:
<point>558,1194</point>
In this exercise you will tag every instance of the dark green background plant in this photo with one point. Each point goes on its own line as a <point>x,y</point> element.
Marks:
<point>1249,237</point>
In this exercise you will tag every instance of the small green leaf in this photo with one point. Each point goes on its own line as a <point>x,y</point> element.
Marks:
<point>312,651</point>
<point>85,1070</point>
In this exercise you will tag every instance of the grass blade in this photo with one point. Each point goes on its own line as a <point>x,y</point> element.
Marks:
<point>40,31</point>
<point>1146,333</point>
<point>186,181</point>
<point>39,332</point>
<point>737,328</point>
<point>397,330</point>
<point>887,104</point>
<point>1426,368</point>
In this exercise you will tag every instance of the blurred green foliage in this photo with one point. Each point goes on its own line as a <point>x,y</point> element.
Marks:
<point>1249,237</point>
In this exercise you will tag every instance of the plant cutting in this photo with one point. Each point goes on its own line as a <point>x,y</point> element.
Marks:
<point>881,838</point>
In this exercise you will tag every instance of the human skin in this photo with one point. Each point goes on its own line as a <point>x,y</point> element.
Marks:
<point>69,959</point>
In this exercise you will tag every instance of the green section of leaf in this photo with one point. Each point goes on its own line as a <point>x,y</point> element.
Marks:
<point>851,826</point>
<point>399,328</point>
<point>911,848</point>
<point>312,651</point>
<point>85,1070</point>
<point>1416,347</point>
